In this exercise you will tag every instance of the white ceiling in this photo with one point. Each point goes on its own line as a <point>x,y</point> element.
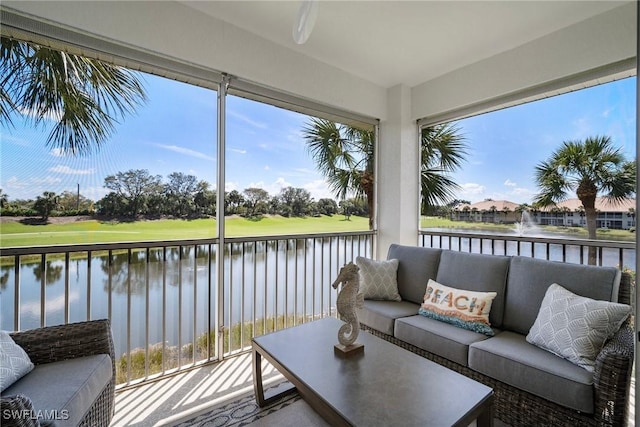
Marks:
<point>406,42</point>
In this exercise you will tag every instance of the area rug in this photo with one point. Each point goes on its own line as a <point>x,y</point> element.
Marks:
<point>240,412</point>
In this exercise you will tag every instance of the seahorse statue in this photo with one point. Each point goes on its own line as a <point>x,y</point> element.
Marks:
<point>349,298</point>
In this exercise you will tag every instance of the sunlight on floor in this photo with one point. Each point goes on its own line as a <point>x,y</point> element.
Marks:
<point>162,402</point>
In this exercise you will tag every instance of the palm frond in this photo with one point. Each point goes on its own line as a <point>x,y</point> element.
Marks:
<point>84,97</point>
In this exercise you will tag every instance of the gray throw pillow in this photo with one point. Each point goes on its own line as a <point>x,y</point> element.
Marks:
<point>14,362</point>
<point>575,327</point>
<point>379,279</point>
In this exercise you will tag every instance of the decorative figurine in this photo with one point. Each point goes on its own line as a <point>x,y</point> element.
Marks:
<point>349,298</point>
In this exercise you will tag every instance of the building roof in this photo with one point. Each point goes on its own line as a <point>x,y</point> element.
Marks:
<point>486,205</point>
<point>602,204</point>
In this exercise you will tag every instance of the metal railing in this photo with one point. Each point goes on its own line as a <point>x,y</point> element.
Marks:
<point>162,297</point>
<point>608,253</point>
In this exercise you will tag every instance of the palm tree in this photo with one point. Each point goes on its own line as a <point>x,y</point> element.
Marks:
<point>590,167</point>
<point>344,155</point>
<point>4,198</point>
<point>83,97</point>
<point>442,151</point>
<point>46,203</point>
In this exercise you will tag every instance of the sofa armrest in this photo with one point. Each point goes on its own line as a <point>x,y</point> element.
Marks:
<point>625,290</point>
<point>62,342</point>
<point>17,411</point>
<point>612,378</point>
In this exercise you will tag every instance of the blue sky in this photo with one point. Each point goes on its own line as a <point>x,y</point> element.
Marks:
<point>175,131</point>
<point>506,145</point>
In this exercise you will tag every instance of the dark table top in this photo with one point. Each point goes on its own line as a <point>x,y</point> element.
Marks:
<point>385,385</point>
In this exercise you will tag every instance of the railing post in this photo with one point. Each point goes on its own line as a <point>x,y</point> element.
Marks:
<point>220,213</point>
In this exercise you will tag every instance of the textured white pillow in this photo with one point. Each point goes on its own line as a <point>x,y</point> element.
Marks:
<point>379,279</point>
<point>14,362</point>
<point>575,327</point>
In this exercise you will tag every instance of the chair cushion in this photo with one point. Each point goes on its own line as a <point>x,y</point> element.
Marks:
<point>416,266</point>
<point>66,389</point>
<point>575,327</point>
<point>529,279</point>
<point>479,273</point>
<point>381,315</point>
<point>437,337</point>
<point>509,358</point>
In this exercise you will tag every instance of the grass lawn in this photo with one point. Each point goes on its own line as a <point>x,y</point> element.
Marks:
<point>14,234</point>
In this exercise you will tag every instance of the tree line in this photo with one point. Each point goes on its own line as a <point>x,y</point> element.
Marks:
<point>137,193</point>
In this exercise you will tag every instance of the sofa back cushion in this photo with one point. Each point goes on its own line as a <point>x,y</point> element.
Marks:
<point>529,279</point>
<point>416,266</point>
<point>479,273</point>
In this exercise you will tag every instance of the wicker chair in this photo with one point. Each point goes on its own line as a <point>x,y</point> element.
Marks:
<point>611,382</point>
<point>64,342</point>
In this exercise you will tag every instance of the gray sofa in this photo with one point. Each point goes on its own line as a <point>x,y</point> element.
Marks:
<point>532,386</point>
<point>73,381</point>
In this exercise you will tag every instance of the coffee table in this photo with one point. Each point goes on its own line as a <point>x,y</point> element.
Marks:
<point>386,385</point>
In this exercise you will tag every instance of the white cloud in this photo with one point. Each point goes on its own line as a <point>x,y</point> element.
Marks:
<point>230,186</point>
<point>55,116</point>
<point>510,183</point>
<point>471,189</point>
<point>238,150</point>
<point>186,151</point>
<point>30,188</point>
<point>247,120</point>
<point>267,168</point>
<point>68,171</point>
<point>57,152</point>
<point>94,193</point>
<point>14,183</point>
<point>318,190</point>
<point>15,140</point>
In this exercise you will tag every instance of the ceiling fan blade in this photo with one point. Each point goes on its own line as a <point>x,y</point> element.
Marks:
<point>305,21</point>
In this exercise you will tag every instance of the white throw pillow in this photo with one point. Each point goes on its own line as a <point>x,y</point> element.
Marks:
<point>14,362</point>
<point>575,327</point>
<point>379,279</point>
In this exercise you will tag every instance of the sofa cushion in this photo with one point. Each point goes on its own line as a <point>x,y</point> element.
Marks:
<point>416,266</point>
<point>465,309</point>
<point>68,387</point>
<point>575,327</point>
<point>529,279</point>
<point>381,315</point>
<point>378,279</point>
<point>14,361</point>
<point>476,272</point>
<point>509,358</point>
<point>437,337</point>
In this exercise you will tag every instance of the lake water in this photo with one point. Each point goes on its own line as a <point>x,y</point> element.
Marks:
<point>172,294</point>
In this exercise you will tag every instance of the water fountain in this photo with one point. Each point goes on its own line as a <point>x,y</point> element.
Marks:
<point>526,225</point>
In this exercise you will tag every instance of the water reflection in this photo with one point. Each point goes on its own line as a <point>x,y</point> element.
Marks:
<point>170,294</point>
<point>52,272</point>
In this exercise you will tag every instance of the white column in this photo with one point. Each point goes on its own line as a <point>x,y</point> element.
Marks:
<point>398,174</point>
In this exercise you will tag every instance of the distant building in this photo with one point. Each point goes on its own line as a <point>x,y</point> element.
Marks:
<point>494,211</point>
<point>569,213</point>
<point>617,215</point>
